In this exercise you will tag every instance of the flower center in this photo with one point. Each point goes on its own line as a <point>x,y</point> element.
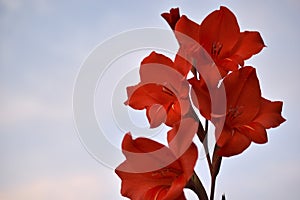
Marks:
<point>234,112</point>
<point>167,90</point>
<point>216,49</point>
<point>166,172</point>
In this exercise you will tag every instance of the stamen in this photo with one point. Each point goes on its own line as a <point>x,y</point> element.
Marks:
<point>173,107</point>
<point>216,48</point>
<point>234,112</point>
<point>249,127</point>
<point>168,91</point>
<point>167,172</point>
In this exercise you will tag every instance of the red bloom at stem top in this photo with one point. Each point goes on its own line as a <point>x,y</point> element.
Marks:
<point>219,34</point>
<point>172,17</point>
<point>166,183</point>
<point>248,114</point>
<point>163,90</point>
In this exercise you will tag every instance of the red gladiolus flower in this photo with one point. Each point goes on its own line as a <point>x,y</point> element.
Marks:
<point>166,183</point>
<point>163,90</point>
<point>172,17</point>
<point>219,34</point>
<point>248,114</point>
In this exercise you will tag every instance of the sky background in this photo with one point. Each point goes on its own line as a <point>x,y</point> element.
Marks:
<point>42,46</point>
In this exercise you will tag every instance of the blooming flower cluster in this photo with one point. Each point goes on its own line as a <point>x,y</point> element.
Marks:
<point>207,74</point>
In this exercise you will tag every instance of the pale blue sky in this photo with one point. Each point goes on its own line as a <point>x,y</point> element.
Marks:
<point>42,45</point>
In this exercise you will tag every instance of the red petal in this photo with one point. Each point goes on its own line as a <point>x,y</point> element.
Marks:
<point>143,154</point>
<point>181,107</point>
<point>181,135</point>
<point>201,97</point>
<point>139,162</point>
<point>188,161</point>
<point>207,68</point>
<point>176,190</point>
<point>172,118</point>
<point>172,17</point>
<point>156,193</point>
<point>243,95</point>
<point>167,182</point>
<point>232,63</point>
<point>224,137</point>
<point>156,115</point>
<point>186,28</point>
<point>154,68</point>
<point>249,43</point>
<point>175,113</point>
<point>219,27</point>
<point>270,114</point>
<point>131,189</point>
<point>256,132</point>
<point>182,65</point>
<point>236,145</point>
<point>139,145</point>
<point>142,96</point>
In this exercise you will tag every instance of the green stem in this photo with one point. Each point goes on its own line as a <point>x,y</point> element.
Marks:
<point>216,164</point>
<point>201,132</point>
<point>196,185</point>
<point>205,145</point>
<point>206,126</point>
<point>212,188</point>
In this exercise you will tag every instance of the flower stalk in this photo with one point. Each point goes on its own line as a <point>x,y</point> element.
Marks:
<point>196,185</point>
